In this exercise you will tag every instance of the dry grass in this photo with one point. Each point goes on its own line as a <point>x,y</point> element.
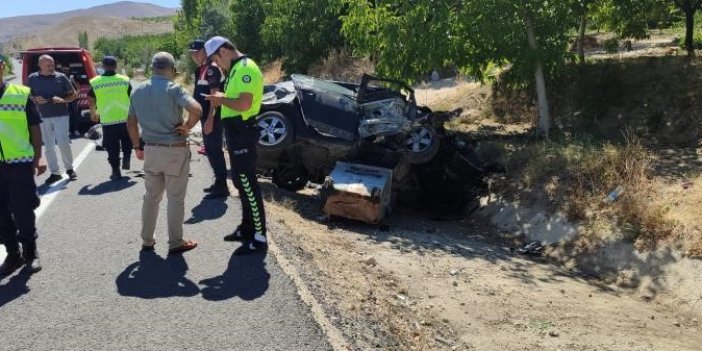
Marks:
<point>341,66</point>
<point>273,72</point>
<point>577,175</point>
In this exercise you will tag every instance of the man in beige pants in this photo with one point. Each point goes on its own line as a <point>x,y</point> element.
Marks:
<point>157,106</point>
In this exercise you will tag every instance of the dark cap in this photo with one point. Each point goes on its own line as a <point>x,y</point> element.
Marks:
<point>196,45</point>
<point>2,58</point>
<point>109,61</point>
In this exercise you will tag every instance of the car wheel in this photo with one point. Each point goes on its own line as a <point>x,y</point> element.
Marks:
<point>421,144</point>
<point>276,130</point>
<point>289,177</point>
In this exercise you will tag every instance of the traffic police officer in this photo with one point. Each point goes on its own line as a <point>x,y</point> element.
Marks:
<point>240,103</point>
<point>208,80</point>
<point>20,156</point>
<point>109,104</point>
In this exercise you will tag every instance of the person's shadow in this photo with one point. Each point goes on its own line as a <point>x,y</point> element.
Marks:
<point>245,277</point>
<point>14,287</point>
<point>107,187</point>
<point>208,209</point>
<point>154,277</point>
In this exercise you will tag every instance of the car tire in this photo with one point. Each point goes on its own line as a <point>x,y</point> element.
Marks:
<point>289,177</point>
<point>276,131</point>
<point>422,144</point>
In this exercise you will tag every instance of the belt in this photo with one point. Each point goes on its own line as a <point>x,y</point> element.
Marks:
<point>180,144</point>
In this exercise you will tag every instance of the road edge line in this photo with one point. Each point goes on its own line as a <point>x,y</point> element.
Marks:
<point>334,335</point>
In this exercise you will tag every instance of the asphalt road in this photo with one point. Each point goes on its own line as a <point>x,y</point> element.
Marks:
<point>98,292</point>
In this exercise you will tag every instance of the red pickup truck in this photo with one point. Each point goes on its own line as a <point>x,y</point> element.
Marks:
<point>74,62</point>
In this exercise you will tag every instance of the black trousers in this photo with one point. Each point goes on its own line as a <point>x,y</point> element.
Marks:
<point>115,137</point>
<point>242,138</point>
<point>18,199</point>
<point>213,144</point>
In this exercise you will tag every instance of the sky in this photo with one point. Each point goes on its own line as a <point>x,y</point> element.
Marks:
<point>11,8</point>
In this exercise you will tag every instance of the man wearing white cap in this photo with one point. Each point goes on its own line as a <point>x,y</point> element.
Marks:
<point>240,103</point>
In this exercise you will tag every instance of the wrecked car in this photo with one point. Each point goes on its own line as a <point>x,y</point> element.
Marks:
<point>308,124</point>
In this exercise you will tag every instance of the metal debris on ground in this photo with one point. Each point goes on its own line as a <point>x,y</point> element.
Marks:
<point>534,248</point>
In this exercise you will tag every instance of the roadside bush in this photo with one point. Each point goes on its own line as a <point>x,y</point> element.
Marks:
<point>611,46</point>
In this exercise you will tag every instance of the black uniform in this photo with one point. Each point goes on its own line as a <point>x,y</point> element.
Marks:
<point>209,77</point>
<point>115,137</point>
<point>18,197</point>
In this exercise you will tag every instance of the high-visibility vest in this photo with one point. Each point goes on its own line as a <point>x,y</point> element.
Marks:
<point>112,98</point>
<point>244,77</point>
<point>15,144</point>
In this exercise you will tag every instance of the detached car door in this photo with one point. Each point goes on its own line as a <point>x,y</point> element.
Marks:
<point>329,108</point>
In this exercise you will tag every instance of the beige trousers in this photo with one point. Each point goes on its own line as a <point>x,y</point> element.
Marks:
<point>165,168</point>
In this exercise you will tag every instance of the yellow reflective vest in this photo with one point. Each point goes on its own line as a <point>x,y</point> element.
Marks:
<point>15,144</point>
<point>244,77</point>
<point>112,98</point>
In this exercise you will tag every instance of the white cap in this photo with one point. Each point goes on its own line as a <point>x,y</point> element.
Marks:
<point>214,43</point>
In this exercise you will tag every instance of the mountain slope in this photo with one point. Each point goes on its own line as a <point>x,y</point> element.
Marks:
<point>35,25</point>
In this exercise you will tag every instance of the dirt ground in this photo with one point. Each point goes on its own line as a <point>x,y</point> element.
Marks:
<point>422,284</point>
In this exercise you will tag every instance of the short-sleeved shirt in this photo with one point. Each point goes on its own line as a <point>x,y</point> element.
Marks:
<point>56,84</point>
<point>245,77</point>
<point>158,106</point>
<point>207,77</point>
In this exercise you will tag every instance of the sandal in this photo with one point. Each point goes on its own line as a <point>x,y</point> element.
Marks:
<point>185,246</point>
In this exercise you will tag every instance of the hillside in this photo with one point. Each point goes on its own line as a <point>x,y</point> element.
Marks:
<point>66,32</point>
<point>17,27</point>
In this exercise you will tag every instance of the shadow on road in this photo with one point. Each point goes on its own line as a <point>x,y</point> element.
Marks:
<point>155,277</point>
<point>245,277</point>
<point>14,288</point>
<point>107,187</point>
<point>208,209</point>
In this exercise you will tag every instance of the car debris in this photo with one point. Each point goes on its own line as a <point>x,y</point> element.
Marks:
<point>357,192</point>
<point>310,126</point>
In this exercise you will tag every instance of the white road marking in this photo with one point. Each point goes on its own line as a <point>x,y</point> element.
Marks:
<point>54,189</point>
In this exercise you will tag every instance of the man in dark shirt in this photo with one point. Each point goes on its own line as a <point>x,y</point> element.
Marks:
<point>20,160</point>
<point>209,80</point>
<point>52,92</point>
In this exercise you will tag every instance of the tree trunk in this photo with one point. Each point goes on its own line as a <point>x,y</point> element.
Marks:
<point>542,100</point>
<point>689,31</point>
<point>581,36</point>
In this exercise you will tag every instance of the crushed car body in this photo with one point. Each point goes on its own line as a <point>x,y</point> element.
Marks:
<point>308,124</point>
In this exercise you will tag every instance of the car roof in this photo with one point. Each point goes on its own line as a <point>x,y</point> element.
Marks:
<point>54,49</point>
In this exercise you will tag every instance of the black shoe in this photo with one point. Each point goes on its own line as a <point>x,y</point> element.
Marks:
<point>71,174</point>
<point>125,164</point>
<point>31,257</point>
<point>210,188</point>
<point>99,148</point>
<point>12,263</point>
<point>251,247</point>
<point>235,236</point>
<point>116,174</point>
<point>53,178</point>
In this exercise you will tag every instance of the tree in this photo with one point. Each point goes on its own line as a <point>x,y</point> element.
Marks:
<point>247,19</point>
<point>83,41</point>
<point>303,30</point>
<point>406,40</point>
<point>689,8</point>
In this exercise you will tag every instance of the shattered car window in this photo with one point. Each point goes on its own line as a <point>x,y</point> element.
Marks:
<point>307,82</point>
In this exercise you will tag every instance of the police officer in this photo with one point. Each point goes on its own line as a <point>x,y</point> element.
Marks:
<point>20,160</point>
<point>109,104</point>
<point>240,103</point>
<point>208,80</point>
